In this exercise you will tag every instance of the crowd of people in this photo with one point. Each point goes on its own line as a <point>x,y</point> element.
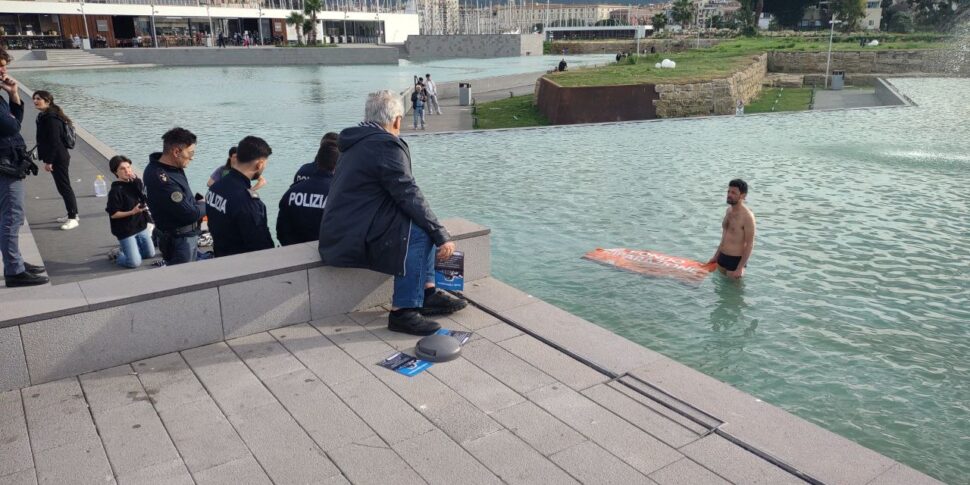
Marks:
<point>358,198</point>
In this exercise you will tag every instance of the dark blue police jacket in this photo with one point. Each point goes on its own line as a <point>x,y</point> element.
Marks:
<point>170,198</point>
<point>301,209</point>
<point>308,170</point>
<point>237,218</point>
<point>11,115</point>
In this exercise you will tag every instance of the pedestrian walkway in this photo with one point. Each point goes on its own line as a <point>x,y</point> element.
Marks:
<point>846,98</point>
<point>308,404</point>
<point>460,118</point>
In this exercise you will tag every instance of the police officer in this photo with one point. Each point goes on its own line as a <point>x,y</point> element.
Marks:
<point>176,211</point>
<point>237,218</point>
<point>310,169</point>
<point>301,207</point>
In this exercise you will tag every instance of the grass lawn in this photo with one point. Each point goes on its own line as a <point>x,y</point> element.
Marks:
<point>692,66</point>
<point>780,99</point>
<point>514,112</point>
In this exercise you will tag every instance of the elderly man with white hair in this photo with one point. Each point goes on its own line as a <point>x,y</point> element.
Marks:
<point>376,217</point>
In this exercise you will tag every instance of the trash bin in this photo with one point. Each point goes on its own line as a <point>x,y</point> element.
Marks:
<point>838,80</point>
<point>464,94</point>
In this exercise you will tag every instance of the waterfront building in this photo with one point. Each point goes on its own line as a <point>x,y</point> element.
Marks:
<point>170,23</point>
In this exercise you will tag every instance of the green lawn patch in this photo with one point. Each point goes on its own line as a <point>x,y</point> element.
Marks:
<point>780,99</point>
<point>692,66</point>
<point>515,112</point>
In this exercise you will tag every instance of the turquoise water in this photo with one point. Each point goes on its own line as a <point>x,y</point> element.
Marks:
<point>853,313</point>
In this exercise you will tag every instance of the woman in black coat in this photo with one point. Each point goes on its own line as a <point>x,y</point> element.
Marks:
<point>51,125</point>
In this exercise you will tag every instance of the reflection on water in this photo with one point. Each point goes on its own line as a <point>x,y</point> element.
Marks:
<point>729,310</point>
<point>853,310</point>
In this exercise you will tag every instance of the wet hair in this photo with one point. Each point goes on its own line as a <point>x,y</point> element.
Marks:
<point>327,156</point>
<point>252,148</point>
<point>53,109</point>
<point>427,76</point>
<point>331,137</point>
<point>177,138</point>
<point>232,151</point>
<point>116,162</point>
<point>740,184</point>
<point>383,107</point>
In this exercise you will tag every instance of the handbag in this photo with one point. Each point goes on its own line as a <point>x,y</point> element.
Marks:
<point>21,165</point>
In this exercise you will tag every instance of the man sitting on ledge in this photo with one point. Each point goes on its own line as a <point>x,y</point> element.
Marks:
<point>377,218</point>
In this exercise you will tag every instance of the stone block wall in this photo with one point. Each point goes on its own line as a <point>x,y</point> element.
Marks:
<point>473,46</point>
<point>873,62</point>
<point>717,97</point>
<point>52,332</point>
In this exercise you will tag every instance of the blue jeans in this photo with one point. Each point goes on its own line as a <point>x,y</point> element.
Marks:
<point>418,116</point>
<point>178,249</point>
<point>418,270</point>
<point>11,218</point>
<point>135,248</point>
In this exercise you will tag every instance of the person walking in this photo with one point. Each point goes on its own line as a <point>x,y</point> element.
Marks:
<point>431,89</point>
<point>13,156</point>
<point>418,98</point>
<point>53,128</point>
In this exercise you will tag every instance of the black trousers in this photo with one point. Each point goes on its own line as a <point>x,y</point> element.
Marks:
<point>62,180</point>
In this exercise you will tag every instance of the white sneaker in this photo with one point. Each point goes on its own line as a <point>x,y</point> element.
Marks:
<point>70,224</point>
<point>62,220</point>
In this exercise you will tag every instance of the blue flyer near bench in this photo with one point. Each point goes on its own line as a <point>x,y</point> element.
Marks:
<point>410,365</point>
<point>450,273</point>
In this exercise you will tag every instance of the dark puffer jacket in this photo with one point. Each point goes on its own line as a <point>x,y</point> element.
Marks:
<point>50,145</point>
<point>372,202</point>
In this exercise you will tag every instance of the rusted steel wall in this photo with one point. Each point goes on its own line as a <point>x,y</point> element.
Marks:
<point>595,104</point>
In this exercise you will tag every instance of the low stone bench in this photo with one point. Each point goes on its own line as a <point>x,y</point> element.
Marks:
<point>48,333</point>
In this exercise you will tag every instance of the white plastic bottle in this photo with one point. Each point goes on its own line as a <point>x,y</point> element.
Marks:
<point>100,187</point>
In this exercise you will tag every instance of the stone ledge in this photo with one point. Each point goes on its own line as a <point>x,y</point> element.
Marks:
<point>20,306</point>
<point>809,448</point>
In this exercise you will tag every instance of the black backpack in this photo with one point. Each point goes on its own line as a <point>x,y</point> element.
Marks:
<point>68,135</point>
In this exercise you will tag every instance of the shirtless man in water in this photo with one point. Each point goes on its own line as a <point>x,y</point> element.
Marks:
<point>737,236</point>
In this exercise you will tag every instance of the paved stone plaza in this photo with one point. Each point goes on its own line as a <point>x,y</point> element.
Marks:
<point>308,404</point>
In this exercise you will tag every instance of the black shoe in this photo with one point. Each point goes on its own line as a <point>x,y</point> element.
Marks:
<point>24,279</point>
<point>34,269</point>
<point>440,303</point>
<point>408,320</point>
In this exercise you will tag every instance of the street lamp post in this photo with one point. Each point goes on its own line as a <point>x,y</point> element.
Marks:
<point>259,5</point>
<point>212,31</point>
<point>828,63</point>
<point>154,32</point>
<point>84,18</point>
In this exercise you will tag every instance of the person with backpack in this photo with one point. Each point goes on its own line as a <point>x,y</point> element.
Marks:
<point>55,136</point>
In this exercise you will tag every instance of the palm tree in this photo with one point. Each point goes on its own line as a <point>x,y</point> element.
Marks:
<point>296,19</point>
<point>310,8</point>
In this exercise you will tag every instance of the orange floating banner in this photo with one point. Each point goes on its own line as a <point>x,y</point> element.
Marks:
<point>652,263</point>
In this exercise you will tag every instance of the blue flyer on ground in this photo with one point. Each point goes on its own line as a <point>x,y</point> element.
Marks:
<point>410,365</point>
<point>450,273</point>
<point>405,364</point>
